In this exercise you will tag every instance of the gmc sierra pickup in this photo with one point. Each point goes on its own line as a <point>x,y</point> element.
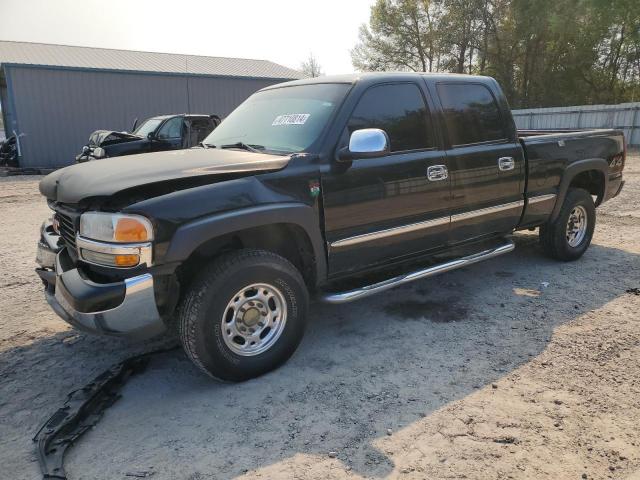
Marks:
<point>340,186</point>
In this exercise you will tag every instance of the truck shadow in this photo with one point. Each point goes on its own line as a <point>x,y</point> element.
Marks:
<point>376,365</point>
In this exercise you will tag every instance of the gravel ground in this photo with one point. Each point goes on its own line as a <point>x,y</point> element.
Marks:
<point>519,367</point>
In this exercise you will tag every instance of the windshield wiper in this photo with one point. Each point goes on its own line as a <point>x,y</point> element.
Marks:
<point>207,145</point>
<point>244,146</point>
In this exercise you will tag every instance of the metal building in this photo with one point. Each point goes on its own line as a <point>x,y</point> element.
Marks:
<point>54,96</point>
<point>623,116</point>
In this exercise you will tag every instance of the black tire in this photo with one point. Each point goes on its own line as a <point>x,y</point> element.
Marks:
<point>206,302</point>
<point>553,236</point>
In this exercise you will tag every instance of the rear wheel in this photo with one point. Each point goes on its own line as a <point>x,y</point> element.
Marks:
<point>569,235</point>
<point>244,315</point>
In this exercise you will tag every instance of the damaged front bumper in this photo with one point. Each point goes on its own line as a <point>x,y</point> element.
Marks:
<point>124,308</point>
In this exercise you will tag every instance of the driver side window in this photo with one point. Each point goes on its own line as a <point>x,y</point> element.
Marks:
<point>398,109</point>
<point>171,129</point>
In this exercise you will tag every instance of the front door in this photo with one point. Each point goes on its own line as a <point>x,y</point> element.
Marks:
<point>383,209</point>
<point>169,135</point>
<point>486,162</point>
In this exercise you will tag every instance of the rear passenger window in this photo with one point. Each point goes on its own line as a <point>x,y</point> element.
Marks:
<point>397,109</point>
<point>471,114</point>
<point>199,128</point>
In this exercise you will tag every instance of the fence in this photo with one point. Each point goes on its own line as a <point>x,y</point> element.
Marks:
<point>624,116</point>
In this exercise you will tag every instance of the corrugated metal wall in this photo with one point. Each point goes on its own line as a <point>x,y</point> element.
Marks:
<point>624,116</point>
<point>57,108</point>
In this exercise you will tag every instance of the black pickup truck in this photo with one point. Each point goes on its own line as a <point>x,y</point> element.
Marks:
<point>339,187</point>
<point>155,134</point>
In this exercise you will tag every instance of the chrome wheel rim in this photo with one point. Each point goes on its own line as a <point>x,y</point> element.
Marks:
<point>254,319</point>
<point>577,226</point>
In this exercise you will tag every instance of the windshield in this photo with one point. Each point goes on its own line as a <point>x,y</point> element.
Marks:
<point>147,127</point>
<point>288,119</point>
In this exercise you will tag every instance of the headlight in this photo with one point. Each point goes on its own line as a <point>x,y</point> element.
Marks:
<point>115,239</point>
<point>99,152</point>
<point>115,227</point>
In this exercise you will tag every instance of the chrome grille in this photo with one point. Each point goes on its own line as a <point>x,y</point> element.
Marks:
<point>67,228</point>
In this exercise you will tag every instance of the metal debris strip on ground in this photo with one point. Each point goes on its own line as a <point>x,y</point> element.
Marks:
<point>81,411</point>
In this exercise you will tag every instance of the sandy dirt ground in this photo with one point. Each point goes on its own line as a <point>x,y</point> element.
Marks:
<point>519,367</point>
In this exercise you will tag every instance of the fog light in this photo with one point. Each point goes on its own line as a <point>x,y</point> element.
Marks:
<point>110,260</point>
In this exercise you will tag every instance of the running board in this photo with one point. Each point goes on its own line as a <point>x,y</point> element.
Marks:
<point>358,293</point>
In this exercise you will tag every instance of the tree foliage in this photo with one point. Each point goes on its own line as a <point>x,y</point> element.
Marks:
<point>543,52</point>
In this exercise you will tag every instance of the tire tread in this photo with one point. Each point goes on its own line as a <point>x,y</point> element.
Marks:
<point>192,301</point>
<point>552,235</point>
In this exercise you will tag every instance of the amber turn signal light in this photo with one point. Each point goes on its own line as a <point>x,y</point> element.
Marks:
<point>130,230</point>
<point>126,260</point>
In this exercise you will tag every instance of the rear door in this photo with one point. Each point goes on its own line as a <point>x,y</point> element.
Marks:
<point>486,162</point>
<point>196,130</point>
<point>381,209</point>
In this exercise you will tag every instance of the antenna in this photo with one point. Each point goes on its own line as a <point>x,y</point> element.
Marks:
<point>186,69</point>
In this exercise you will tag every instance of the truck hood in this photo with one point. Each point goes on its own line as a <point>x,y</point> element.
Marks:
<point>180,167</point>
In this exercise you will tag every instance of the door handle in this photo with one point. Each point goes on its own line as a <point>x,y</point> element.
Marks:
<point>436,173</point>
<point>506,163</point>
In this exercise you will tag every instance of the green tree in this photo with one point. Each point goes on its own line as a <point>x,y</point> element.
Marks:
<point>543,52</point>
<point>402,35</point>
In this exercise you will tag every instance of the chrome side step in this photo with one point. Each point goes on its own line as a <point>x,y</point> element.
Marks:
<point>358,293</point>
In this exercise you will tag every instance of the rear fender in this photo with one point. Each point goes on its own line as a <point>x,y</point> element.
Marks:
<point>570,173</point>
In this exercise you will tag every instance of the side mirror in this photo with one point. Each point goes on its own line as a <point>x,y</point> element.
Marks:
<point>365,143</point>
<point>151,136</point>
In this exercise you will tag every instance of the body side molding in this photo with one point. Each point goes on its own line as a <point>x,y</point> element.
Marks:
<point>436,222</point>
<point>541,198</point>
<point>389,232</point>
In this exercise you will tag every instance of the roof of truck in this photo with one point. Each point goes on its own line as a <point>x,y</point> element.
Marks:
<point>376,77</point>
<point>162,117</point>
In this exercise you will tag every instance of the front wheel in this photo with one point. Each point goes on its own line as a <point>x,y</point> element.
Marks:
<point>244,315</point>
<point>569,235</point>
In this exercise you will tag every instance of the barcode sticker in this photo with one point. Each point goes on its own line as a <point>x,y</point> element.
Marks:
<point>291,119</point>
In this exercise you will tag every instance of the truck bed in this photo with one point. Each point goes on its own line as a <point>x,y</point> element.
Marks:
<point>549,153</point>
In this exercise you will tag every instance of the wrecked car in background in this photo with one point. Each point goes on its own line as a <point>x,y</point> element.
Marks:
<point>167,132</point>
<point>9,152</point>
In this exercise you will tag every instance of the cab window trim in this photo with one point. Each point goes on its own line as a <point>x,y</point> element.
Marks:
<point>498,141</point>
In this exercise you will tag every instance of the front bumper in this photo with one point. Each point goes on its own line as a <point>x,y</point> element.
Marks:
<point>126,308</point>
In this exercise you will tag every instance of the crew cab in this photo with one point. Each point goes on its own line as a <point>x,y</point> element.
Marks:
<point>334,188</point>
<point>165,132</point>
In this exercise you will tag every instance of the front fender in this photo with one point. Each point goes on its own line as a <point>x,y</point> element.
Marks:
<point>572,170</point>
<point>191,235</point>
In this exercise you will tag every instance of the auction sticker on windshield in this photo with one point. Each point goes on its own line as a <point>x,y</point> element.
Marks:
<point>291,119</point>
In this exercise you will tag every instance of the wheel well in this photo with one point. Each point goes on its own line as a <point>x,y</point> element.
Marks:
<point>592,181</point>
<point>287,240</point>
